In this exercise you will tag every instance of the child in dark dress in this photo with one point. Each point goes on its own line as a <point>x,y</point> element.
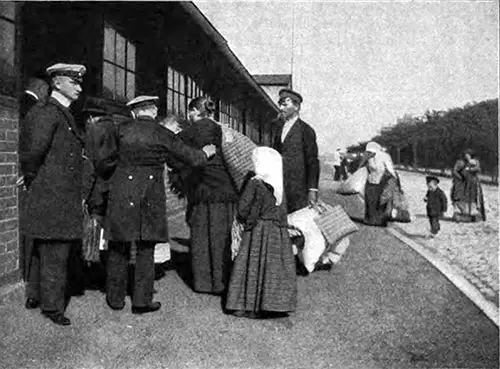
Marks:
<point>437,203</point>
<point>263,280</point>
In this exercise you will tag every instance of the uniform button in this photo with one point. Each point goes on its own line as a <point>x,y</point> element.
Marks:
<point>70,129</point>
<point>130,177</point>
<point>131,203</point>
<point>71,154</point>
<point>71,168</point>
<point>151,177</point>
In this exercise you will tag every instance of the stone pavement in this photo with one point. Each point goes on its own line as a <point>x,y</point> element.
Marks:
<point>383,306</point>
<point>472,248</point>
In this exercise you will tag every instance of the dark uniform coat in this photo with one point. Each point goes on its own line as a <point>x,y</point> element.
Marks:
<point>300,163</point>
<point>137,151</point>
<point>51,162</point>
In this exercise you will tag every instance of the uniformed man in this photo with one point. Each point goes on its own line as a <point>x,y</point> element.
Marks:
<point>295,140</point>
<point>137,152</point>
<point>51,162</point>
<point>35,95</point>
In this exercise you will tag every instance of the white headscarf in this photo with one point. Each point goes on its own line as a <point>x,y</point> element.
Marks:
<point>268,166</point>
<point>381,160</point>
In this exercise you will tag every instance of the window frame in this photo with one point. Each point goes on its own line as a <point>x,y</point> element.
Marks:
<point>128,65</point>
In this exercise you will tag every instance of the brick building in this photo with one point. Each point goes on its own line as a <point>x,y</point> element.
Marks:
<point>129,48</point>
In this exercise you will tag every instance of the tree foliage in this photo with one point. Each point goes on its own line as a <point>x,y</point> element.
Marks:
<point>436,139</point>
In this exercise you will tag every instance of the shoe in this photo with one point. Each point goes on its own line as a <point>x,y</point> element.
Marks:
<point>115,307</point>
<point>58,318</point>
<point>31,303</point>
<point>323,266</point>
<point>154,306</point>
<point>300,268</point>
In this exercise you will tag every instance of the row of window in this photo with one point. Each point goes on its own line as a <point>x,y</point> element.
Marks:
<point>118,72</point>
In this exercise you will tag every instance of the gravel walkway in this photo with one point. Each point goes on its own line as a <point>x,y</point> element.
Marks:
<point>472,248</point>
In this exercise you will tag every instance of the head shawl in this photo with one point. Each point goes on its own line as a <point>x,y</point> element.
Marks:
<point>268,166</point>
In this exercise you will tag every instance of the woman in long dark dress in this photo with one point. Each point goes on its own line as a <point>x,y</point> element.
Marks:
<point>466,192</point>
<point>212,200</point>
<point>263,280</point>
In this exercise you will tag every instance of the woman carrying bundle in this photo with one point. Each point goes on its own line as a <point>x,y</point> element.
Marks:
<point>211,199</point>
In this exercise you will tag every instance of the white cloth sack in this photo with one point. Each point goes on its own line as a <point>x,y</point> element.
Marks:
<point>314,242</point>
<point>355,183</point>
<point>162,253</point>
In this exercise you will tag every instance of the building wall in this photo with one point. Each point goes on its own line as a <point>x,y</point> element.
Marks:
<point>74,33</point>
<point>9,248</point>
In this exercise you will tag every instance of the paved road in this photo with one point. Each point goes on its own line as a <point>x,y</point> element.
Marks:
<point>382,307</point>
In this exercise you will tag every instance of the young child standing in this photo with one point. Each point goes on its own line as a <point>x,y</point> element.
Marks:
<point>263,280</point>
<point>437,204</point>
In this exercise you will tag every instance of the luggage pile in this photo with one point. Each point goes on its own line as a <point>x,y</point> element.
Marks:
<point>325,228</point>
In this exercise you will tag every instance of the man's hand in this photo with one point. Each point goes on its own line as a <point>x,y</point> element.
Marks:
<point>313,197</point>
<point>21,183</point>
<point>99,219</point>
<point>209,150</point>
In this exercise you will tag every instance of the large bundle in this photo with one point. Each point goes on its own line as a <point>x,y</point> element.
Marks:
<point>355,184</point>
<point>237,152</point>
<point>323,227</point>
<point>314,242</point>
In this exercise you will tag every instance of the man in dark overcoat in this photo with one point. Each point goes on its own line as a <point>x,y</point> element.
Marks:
<point>51,161</point>
<point>295,140</point>
<point>35,94</point>
<point>137,151</point>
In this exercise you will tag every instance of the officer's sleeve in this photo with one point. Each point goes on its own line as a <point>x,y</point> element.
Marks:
<point>310,147</point>
<point>42,124</point>
<point>106,149</point>
<point>181,152</point>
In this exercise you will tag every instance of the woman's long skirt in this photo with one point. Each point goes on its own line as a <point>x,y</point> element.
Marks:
<point>374,212</point>
<point>264,276</point>
<point>211,246</point>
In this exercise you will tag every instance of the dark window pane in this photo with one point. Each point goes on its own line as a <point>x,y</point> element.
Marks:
<point>130,86</point>
<point>176,81</point>
<point>181,83</point>
<point>188,87</point>
<point>109,44</point>
<point>8,9</point>
<point>131,56</point>
<point>120,50</point>
<point>169,100</point>
<point>120,83</point>
<point>182,105</point>
<point>170,78</point>
<point>108,80</point>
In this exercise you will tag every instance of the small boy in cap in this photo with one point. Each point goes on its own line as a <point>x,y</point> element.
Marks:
<point>437,204</point>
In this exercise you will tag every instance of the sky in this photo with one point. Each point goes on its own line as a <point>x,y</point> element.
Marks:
<point>361,65</point>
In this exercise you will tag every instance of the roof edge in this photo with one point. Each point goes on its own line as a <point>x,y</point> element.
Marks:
<point>222,44</point>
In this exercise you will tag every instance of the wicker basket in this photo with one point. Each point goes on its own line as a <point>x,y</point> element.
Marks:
<point>237,152</point>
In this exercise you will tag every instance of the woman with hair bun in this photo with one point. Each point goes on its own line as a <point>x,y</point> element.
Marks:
<point>212,198</point>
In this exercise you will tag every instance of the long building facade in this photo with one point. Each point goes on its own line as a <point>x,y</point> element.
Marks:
<point>167,49</point>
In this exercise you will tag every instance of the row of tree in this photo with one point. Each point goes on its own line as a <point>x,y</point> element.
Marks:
<point>438,138</point>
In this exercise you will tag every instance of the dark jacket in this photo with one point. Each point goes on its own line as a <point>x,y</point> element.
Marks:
<point>51,161</point>
<point>436,202</point>
<point>211,182</point>
<point>136,152</point>
<point>300,163</point>
<point>96,187</point>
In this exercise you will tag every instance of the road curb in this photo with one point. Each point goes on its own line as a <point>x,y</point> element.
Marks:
<point>454,276</point>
